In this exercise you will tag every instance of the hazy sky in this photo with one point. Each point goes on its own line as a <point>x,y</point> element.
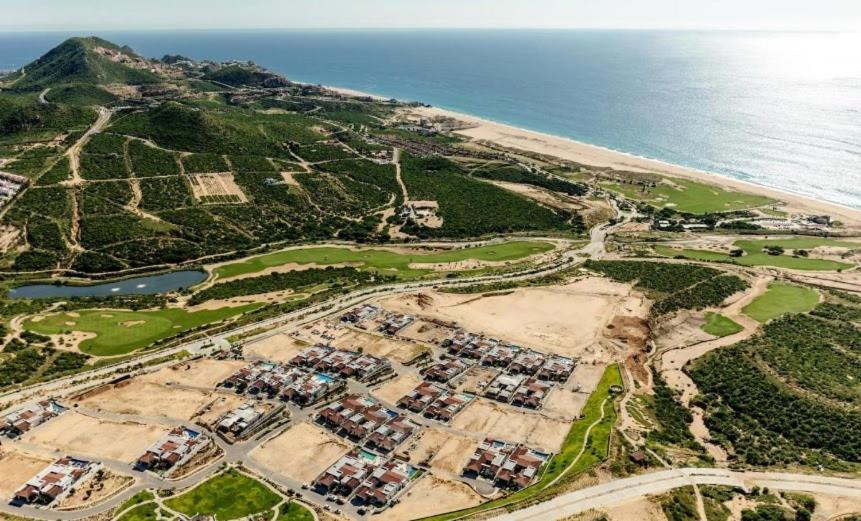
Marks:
<point>24,15</point>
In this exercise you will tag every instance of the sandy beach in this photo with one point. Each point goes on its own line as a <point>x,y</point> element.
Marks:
<point>591,155</point>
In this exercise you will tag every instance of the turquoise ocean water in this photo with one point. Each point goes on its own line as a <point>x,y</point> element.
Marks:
<point>773,108</point>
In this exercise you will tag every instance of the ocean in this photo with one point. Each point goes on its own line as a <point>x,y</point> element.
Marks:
<point>772,108</point>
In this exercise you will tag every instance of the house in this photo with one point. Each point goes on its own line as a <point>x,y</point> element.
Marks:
<point>445,407</point>
<point>420,397</point>
<point>503,387</point>
<point>247,418</point>
<point>384,483</point>
<point>557,368</point>
<point>171,450</point>
<point>346,474</point>
<point>457,341</point>
<point>501,355</point>
<point>22,420</point>
<point>387,437</point>
<point>354,416</point>
<point>348,364</point>
<point>531,394</point>
<point>312,356</point>
<point>445,370</point>
<point>527,362</point>
<point>360,314</point>
<point>262,378</point>
<point>478,348</point>
<point>55,482</point>
<point>520,468</point>
<point>311,388</point>
<point>394,322</point>
<point>488,458</point>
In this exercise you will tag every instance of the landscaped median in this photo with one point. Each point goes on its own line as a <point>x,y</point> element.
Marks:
<point>587,444</point>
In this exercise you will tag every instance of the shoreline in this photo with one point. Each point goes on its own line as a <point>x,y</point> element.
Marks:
<point>595,155</point>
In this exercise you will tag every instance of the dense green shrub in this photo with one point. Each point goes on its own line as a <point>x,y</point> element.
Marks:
<point>148,161</point>
<point>204,163</point>
<point>165,193</point>
<point>517,174</point>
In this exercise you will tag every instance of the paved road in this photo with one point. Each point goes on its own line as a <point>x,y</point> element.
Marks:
<point>622,490</point>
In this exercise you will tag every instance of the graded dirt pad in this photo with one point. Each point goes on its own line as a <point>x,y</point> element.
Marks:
<point>504,422</point>
<point>205,373</point>
<point>279,347</point>
<point>381,346</point>
<point>443,450</point>
<point>641,509</point>
<point>141,398</point>
<point>431,495</point>
<point>96,489</point>
<point>395,389</point>
<point>558,319</point>
<point>424,331</point>
<point>101,439</point>
<point>475,379</point>
<point>301,452</point>
<point>216,184</point>
<point>564,403</point>
<point>16,468</point>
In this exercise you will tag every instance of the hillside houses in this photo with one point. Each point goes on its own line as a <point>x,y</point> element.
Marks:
<point>419,398</point>
<point>506,465</point>
<point>55,482</point>
<point>346,474</point>
<point>384,483</point>
<point>504,386</point>
<point>445,370</point>
<point>557,368</point>
<point>531,394</point>
<point>527,362</point>
<point>346,364</point>
<point>354,416</point>
<point>389,436</point>
<point>447,406</point>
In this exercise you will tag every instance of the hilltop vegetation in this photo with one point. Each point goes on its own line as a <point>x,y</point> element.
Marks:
<point>789,395</point>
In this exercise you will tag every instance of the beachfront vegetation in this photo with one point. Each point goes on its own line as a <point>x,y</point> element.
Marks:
<point>229,495</point>
<point>118,332</point>
<point>781,298</point>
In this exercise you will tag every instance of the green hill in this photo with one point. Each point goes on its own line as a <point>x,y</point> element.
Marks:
<point>88,60</point>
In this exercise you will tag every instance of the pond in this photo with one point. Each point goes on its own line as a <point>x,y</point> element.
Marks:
<point>149,285</point>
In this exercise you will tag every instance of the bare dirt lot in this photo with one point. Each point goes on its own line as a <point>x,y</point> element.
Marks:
<point>475,379</point>
<point>16,468</point>
<point>442,450</point>
<point>218,407</point>
<point>95,490</point>
<point>397,350</point>
<point>204,373</point>
<point>80,434</point>
<point>564,403</point>
<point>500,421</point>
<point>216,184</point>
<point>431,495</point>
<point>278,348</point>
<point>560,319</point>
<point>311,450</point>
<point>141,398</point>
<point>424,331</point>
<point>394,390</point>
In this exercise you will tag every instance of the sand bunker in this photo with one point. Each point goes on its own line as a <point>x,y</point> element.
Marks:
<point>500,421</point>
<point>376,345</point>
<point>16,468</point>
<point>431,495</point>
<point>278,348</point>
<point>301,452</point>
<point>205,373</point>
<point>441,450</point>
<point>394,390</point>
<point>102,439</point>
<point>559,319</point>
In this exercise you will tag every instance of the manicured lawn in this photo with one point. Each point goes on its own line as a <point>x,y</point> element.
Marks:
<point>119,332</point>
<point>754,256</point>
<point>229,495</point>
<point>779,299</point>
<point>720,326</point>
<point>597,447</point>
<point>383,260</point>
<point>145,512</point>
<point>295,512</point>
<point>692,197</point>
<point>141,497</point>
